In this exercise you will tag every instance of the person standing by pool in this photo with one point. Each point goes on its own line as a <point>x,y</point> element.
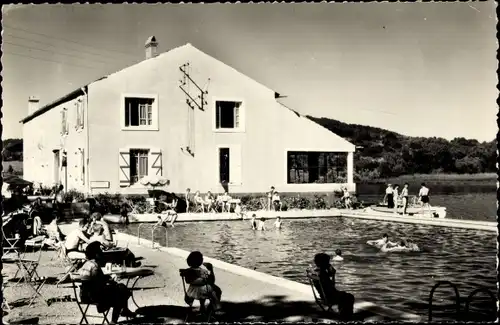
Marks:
<point>187,197</point>
<point>395,196</point>
<point>389,196</point>
<point>253,222</point>
<point>262,225</point>
<point>404,195</point>
<point>270,195</point>
<point>423,196</point>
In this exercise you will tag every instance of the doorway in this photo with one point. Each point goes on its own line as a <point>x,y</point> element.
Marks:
<point>224,165</point>
<point>57,166</point>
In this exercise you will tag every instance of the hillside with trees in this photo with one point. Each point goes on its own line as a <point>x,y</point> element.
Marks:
<point>388,154</point>
<point>12,150</point>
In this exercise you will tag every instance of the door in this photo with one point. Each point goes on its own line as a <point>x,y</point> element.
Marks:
<point>224,165</point>
<point>57,166</point>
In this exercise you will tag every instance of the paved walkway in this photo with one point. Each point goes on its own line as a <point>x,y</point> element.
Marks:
<point>245,298</point>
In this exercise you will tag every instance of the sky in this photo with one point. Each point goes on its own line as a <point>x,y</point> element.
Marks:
<point>419,69</point>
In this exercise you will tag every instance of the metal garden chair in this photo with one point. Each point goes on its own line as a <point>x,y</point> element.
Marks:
<point>76,282</point>
<point>207,312</point>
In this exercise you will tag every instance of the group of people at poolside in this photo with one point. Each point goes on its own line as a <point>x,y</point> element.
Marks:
<point>392,197</point>
<point>211,202</point>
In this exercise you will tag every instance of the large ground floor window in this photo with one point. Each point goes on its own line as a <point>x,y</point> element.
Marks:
<point>316,167</point>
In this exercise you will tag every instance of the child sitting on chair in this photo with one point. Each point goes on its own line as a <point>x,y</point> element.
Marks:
<point>201,280</point>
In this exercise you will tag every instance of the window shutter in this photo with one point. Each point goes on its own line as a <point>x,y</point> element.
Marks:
<point>155,162</point>
<point>62,122</point>
<point>124,167</point>
<point>237,115</point>
<point>217,115</point>
<point>235,165</point>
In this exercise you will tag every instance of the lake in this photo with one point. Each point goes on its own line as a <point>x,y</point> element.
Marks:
<point>471,199</point>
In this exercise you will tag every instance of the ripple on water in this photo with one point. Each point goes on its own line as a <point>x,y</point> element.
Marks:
<point>467,258</point>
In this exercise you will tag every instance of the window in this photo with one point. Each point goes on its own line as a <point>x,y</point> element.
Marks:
<point>79,114</point>
<point>64,121</point>
<point>316,167</point>
<point>138,164</point>
<point>82,165</point>
<point>139,112</point>
<point>228,115</point>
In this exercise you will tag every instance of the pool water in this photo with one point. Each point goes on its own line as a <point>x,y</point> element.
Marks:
<point>398,280</point>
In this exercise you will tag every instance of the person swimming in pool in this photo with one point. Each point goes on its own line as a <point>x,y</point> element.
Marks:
<point>402,246</point>
<point>338,256</point>
<point>381,242</point>
<point>253,222</point>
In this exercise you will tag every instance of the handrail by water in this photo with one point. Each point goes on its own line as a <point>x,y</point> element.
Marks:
<point>473,293</point>
<point>153,233</point>
<point>457,296</point>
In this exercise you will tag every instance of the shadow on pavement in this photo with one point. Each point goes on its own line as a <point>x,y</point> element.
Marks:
<point>268,309</point>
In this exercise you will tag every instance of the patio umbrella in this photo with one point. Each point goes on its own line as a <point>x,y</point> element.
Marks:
<point>154,181</point>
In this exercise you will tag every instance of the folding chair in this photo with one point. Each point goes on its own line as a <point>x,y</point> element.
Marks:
<point>318,292</point>
<point>11,242</point>
<point>133,208</point>
<point>190,302</point>
<point>5,303</point>
<point>76,282</point>
<point>72,263</point>
<point>28,268</point>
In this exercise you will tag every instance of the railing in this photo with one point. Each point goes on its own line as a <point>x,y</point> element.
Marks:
<point>457,297</point>
<point>153,233</point>
<point>473,293</point>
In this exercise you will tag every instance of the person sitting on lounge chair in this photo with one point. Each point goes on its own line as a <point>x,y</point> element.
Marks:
<point>99,236</point>
<point>276,201</point>
<point>102,289</point>
<point>54,233</point>
<point>326,274</point>
<point>75,239</point>
<point>199,201</point>
<point>97,218</point>
<point>209,202</point>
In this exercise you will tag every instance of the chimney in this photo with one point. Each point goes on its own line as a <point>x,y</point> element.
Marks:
<point>33,105</point>
<point>151,47</point>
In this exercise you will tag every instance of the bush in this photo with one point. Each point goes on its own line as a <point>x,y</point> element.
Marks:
<point>252,203</point>
<point>73,196</point>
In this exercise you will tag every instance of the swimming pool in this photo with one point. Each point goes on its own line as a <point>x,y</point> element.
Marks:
<point>397,280</point>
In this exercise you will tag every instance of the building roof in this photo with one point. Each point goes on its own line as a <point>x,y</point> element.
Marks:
<point>80,91</point>
<point>324,139</point>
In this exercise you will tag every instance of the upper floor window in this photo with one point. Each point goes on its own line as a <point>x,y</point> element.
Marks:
<point>140,112</point>
<point>79,114</point>
<point>229,115</point>
<point>64,121</point>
